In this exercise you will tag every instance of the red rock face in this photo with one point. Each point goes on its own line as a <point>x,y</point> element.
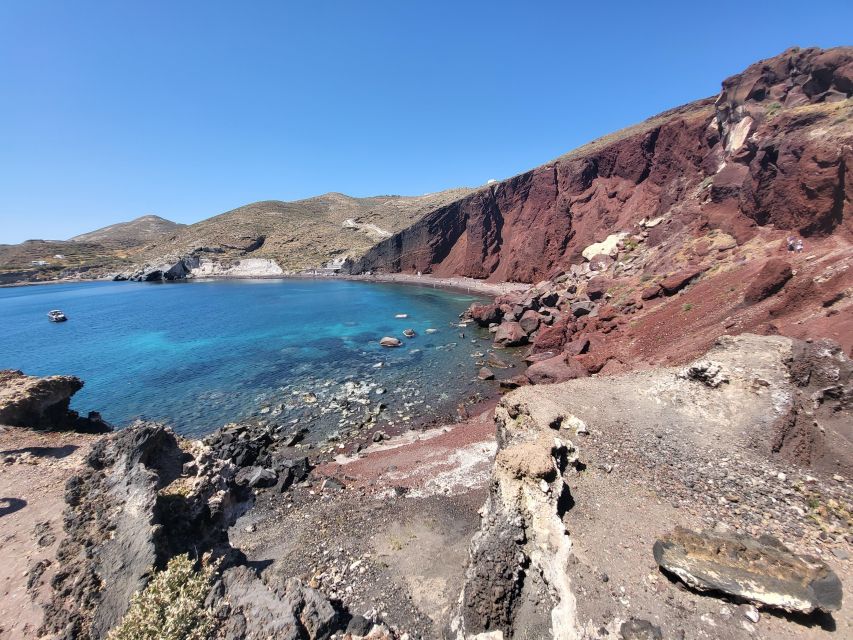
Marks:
<point>775,149</point>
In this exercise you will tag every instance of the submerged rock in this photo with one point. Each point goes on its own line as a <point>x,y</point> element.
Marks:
<point>762,571</point>
<point>486,374</point>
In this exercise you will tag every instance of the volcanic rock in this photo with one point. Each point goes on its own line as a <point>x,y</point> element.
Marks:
<point>677,281</point>
<point>42,403</point>
<point>256,477</point>
<point>762,571</point>
<point>556,369</point>
<point>772,277</point>
<point>510,334</point>
<point>582,308</point>
<point>485,314</point>
<point>596,287</point>
<point>486,374</point>
<point>529,321</point>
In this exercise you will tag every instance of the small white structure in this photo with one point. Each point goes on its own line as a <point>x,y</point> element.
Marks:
<point>59,256</point>
<point>40,263</point>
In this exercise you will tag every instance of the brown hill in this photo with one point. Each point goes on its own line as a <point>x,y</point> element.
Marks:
<point>140,231</point>
<point>304,233</point>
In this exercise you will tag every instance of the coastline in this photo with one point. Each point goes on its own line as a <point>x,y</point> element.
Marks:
<point>455,283</point>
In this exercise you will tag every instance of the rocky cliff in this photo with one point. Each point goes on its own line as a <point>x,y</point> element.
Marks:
<point>773,149</point>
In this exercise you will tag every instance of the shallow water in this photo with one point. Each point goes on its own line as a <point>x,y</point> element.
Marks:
<point>201,354</point>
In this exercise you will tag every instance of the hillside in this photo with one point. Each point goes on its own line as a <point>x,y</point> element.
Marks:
<point>302,234</point>
<point>772,150</point>
<point>140,231</point>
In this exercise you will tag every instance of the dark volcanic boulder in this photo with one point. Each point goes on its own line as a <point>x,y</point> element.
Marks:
<point>762,571</point>
<point>772,277</point>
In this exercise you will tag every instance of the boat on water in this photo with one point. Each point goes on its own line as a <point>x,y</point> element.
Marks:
<point>56,316</point>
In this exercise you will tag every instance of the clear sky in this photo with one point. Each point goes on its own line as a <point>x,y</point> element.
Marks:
<point>112,110</point>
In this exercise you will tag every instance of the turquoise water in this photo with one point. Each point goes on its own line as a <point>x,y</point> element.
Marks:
<point>201,354</point>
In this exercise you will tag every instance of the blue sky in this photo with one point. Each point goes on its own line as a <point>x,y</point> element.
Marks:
<point>111,110</point>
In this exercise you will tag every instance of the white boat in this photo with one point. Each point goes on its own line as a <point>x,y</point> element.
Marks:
<point>56,316</point>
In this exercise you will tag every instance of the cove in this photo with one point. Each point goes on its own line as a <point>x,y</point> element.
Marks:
<point>198,355</point>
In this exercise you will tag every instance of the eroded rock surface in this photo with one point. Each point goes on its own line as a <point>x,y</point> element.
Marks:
<point>761,571</point>
<point>42,403</point>
<point>651,435</point>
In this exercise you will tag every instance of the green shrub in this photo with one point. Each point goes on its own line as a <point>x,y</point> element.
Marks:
<point>772,109</point>
<point>172,605</point>
<point>687,306</point>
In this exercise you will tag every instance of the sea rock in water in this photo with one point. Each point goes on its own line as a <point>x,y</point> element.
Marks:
<point>486,374</point>
<point>388,341</point>
<point>409,333</point>
<point>762,571</point>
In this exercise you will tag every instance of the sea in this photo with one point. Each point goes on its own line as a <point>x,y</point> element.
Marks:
<point>198,355</point>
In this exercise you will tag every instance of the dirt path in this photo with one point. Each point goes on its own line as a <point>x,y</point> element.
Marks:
<point>33,469</point>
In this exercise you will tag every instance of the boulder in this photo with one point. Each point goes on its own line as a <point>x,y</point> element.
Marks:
<point>556,369</point>
<point>762,571</point>
<point>652,291</point>
<point>486,374</point>
<point>607,312</point>
<point>677,281</point>
<point>639,629</point>
<point>772,277</point>
<point>577,346</point>
<point>582,308</point>
<point>552,337</point>
<point>388,341</point>
<point>290,611</point>
<point>256,477</point>
<point>494,361</point>
<point>510,334</point>
<point>485,314</point>
<point>549,299</point>
<point>607,247</point>
<point>597,287</point>
<point>529,321</point>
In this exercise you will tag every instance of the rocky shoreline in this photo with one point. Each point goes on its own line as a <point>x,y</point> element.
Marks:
<point>560,455</point>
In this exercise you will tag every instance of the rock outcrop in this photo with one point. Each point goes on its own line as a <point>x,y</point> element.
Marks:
<point>520,578</point>
<point>42,403</point>
<point>144,497</point>
<point>773,149</point>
